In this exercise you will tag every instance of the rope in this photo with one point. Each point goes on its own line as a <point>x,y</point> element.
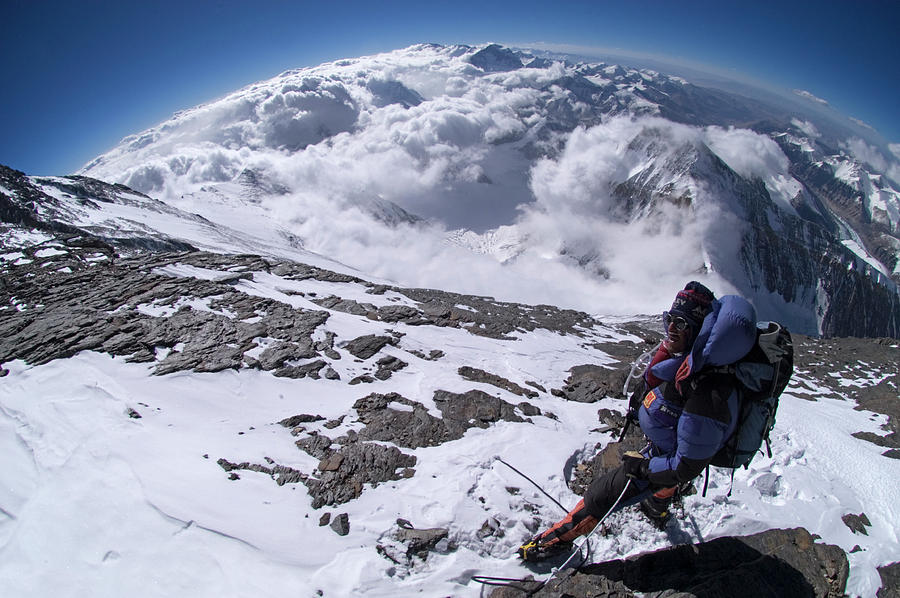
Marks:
<point>587,537</point>
<point>511,581</point>
<point>558,504</point>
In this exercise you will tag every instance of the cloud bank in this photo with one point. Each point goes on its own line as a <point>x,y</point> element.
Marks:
<point>343,154</point>
<point>809,96</point>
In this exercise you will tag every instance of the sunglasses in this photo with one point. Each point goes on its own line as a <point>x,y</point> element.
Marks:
<point>680,323</point>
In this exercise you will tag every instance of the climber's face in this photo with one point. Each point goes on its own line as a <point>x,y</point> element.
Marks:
<point>678,334</point>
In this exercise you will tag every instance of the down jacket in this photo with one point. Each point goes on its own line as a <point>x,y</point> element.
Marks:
<point>688,418</point>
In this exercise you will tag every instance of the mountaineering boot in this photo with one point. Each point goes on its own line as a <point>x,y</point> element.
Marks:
<point>537,549</point>
<point>657,511</point>
<point>558,539</point>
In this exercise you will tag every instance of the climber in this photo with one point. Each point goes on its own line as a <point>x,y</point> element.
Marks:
<point>685,424</point>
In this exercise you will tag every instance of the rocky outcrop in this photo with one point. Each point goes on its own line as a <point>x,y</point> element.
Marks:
<point>477,375</point>
<point>343,473</point>
<point>131,308</point>
<point>590,383</point>
<point>775,563</point>
<point>410,425</point>
<point>890,581</point>
<point>366,346</point>
<point>857,523</point>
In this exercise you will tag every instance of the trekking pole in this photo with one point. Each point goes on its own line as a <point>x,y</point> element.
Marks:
<point>588,536</point>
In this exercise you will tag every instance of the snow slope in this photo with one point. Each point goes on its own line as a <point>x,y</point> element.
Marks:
<point>104,504</point>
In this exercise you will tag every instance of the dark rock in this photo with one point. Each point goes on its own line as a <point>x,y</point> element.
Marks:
<point>416,427</point>
<point>528,409</point>
<point>857,523</point>
<point>301,371</point>
<point>362,379</point>
<point>334,423</point>
<point>275,355</point>
<point>611,420</point>
<point>361,463</point>
<point>527,586</point>
<point>132,413</point>
<point>780,562</point>
<point>473,408</point>
<point>280,473</point>
<point>433,355</point>
<point>578,585</point>
<point>591,383</point>
<point>476,375</point>
<point>341,524</point>
<point>378,289</point>
<point>485,316</point>
<point>890,581</point>
<point>331,462</point>
<point>400,313</point>
<point>303,418</point>
<point>387,366</point>
<point>96,309</point>
<point>436,310</point>
<point>405,428</point>
<point>536,385</point>
<point>364,347</point>
<point>316,445</point>
<point>420,541</point>
<point>345,305</point>
<point>324,519</point>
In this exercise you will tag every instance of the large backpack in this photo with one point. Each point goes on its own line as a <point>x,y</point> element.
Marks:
<point>762,375</point>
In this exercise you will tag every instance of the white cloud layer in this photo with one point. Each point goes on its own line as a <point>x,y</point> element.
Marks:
<point>342,149</point>
<point>870,155</point>
<point>808,128</point>
<point>895,149</point>
<point>809,96</point>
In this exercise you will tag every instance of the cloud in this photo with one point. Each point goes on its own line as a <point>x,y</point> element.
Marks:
<point>873,158</point>
<point>807,95</point>
<point>866,153</point>
<point>895,149</point>
<point>442,140</point>
<point>746,152</point>
<point>806,127</point>
<point>752,155</point>
<point>862,123</point>
<point>575,218</point>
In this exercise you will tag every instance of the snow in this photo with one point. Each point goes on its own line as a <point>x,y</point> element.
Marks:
<point>112,505</point>
<point>854,246</point>
<point>49,252</point>
<point>149,512</point>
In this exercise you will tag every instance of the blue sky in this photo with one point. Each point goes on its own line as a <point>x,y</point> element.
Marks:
<point>80,75</point>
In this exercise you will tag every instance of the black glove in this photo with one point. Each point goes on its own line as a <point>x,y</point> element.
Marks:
<point>635,465</point>
<point>637,397</point>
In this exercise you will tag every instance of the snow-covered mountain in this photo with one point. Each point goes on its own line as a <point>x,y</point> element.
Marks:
<point>282,347</point>
<point>611,181</point>
<point>185,422</point>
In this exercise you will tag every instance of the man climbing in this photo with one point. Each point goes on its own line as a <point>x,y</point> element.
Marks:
<point>686,421</point>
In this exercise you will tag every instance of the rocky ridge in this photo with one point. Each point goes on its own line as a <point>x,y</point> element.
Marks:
<point>196,311</point>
